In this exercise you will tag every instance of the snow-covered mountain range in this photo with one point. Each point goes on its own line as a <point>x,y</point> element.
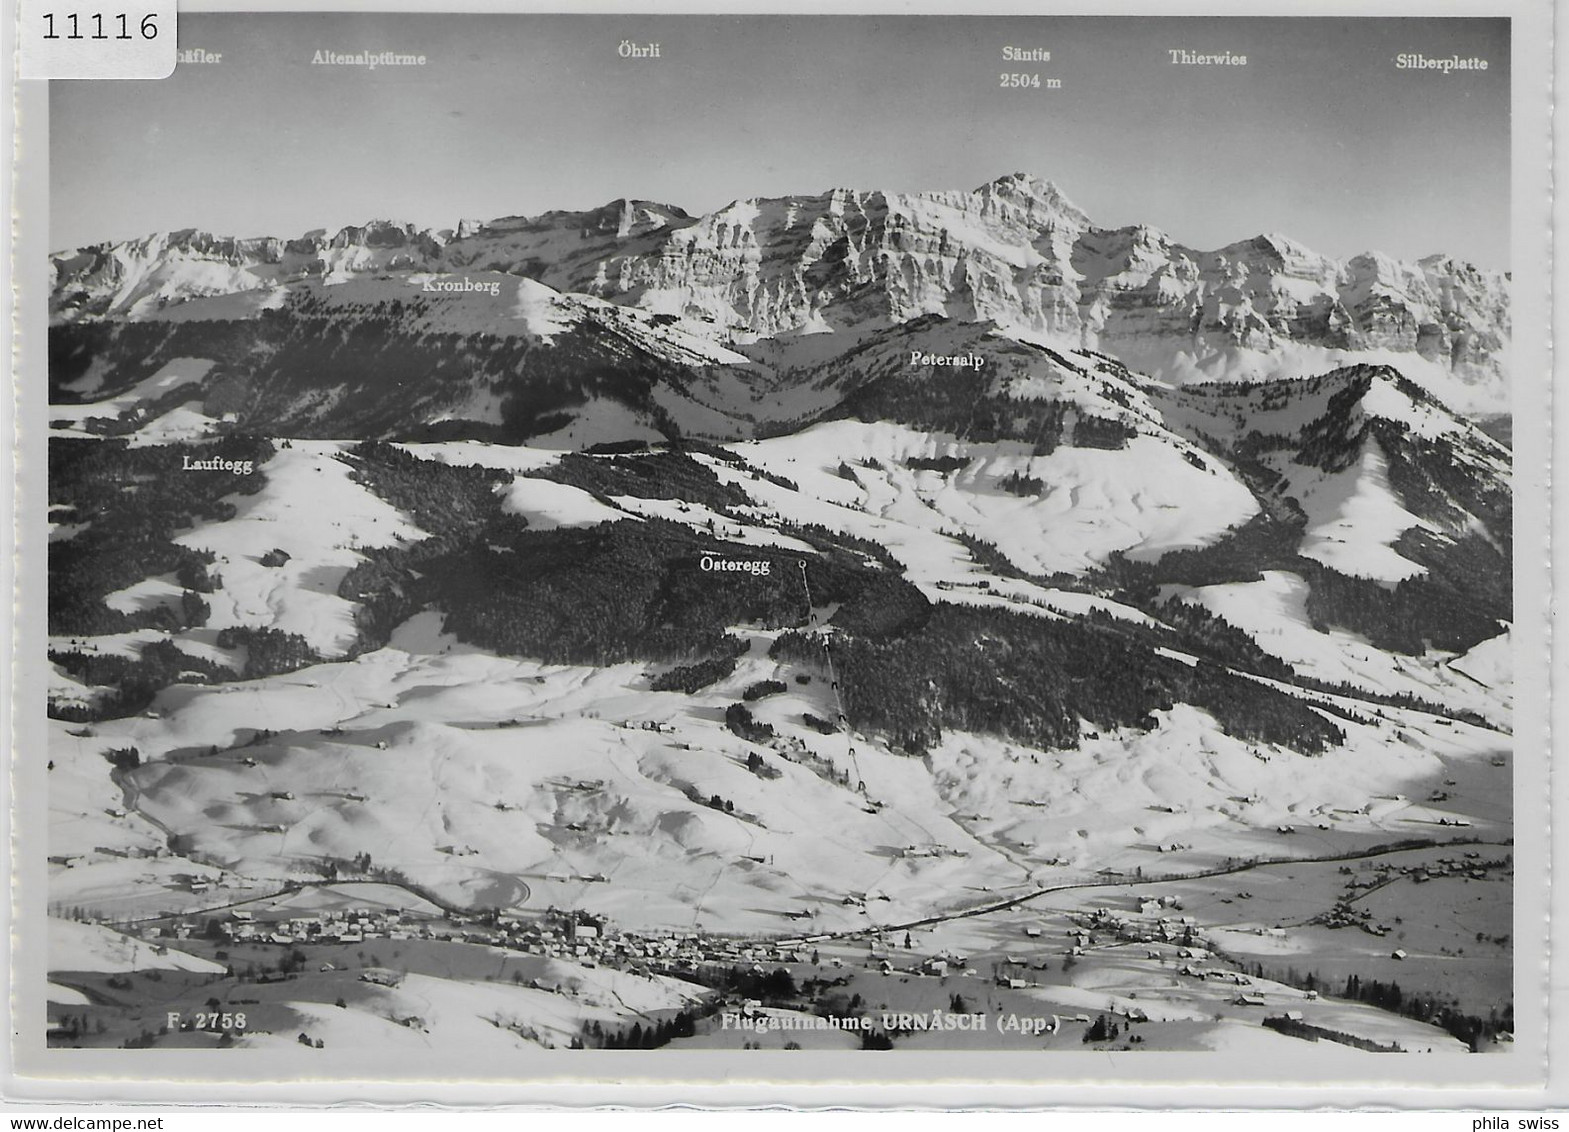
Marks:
<point>1014,252</point>
<point>383,575</point>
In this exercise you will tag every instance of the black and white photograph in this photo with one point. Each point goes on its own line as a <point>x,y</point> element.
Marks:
<point>724,534</point>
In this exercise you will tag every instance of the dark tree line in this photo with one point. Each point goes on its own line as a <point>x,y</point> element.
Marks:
<point>1090,431</point>
<point>133,682</point>
<point>638,1036</point>
<point>1211,636</point>
<point>739,719</point>
<point>1424,1006</point>
<point>690,678</point>
<point>441,498</point>
<point>268,652</point>
<point>319,367</point>
<point>628,590</point>
<point>655,475</point>
<point>1033,680</point>
<point>1296,1028</point>
<point>132,502</point>
<point>1017,483</point>
<point>1456,605</point>
<point>1428,1007</point>
<point>885,607</point>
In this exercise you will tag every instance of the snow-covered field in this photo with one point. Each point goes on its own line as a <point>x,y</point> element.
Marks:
<point>475,783</point>
<point>91,947</point>
<point>1273,612</point>
<point>490,779</point>
<point>1141,501</point>
<point>321,540</point>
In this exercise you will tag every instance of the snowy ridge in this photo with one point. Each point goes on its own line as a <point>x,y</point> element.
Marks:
<point>1014,251</point>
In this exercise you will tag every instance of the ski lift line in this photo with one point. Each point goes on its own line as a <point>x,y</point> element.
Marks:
<point>833,679</point>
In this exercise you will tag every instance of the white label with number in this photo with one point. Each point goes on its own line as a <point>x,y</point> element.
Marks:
<point>97,39</point>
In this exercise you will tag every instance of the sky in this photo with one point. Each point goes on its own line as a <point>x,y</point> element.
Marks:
<point>1320,136</point>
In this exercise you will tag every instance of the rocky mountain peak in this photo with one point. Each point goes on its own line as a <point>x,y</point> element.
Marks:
<point>625,219</point>
<point>380,234</point>
<point>1041,199</point>
<point>1014,251</point>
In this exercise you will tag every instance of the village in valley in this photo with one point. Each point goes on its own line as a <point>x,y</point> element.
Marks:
<point>1109,964</point>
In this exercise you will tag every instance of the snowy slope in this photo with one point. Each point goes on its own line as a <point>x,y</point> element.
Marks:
<point>77,946</point>
<point>312,510</point>
<point>1143,500</point>
<point>1272,611</point>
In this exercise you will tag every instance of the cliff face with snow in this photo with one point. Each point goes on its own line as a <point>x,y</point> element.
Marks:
<point>1014,252</point>
<point>136,278</point>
